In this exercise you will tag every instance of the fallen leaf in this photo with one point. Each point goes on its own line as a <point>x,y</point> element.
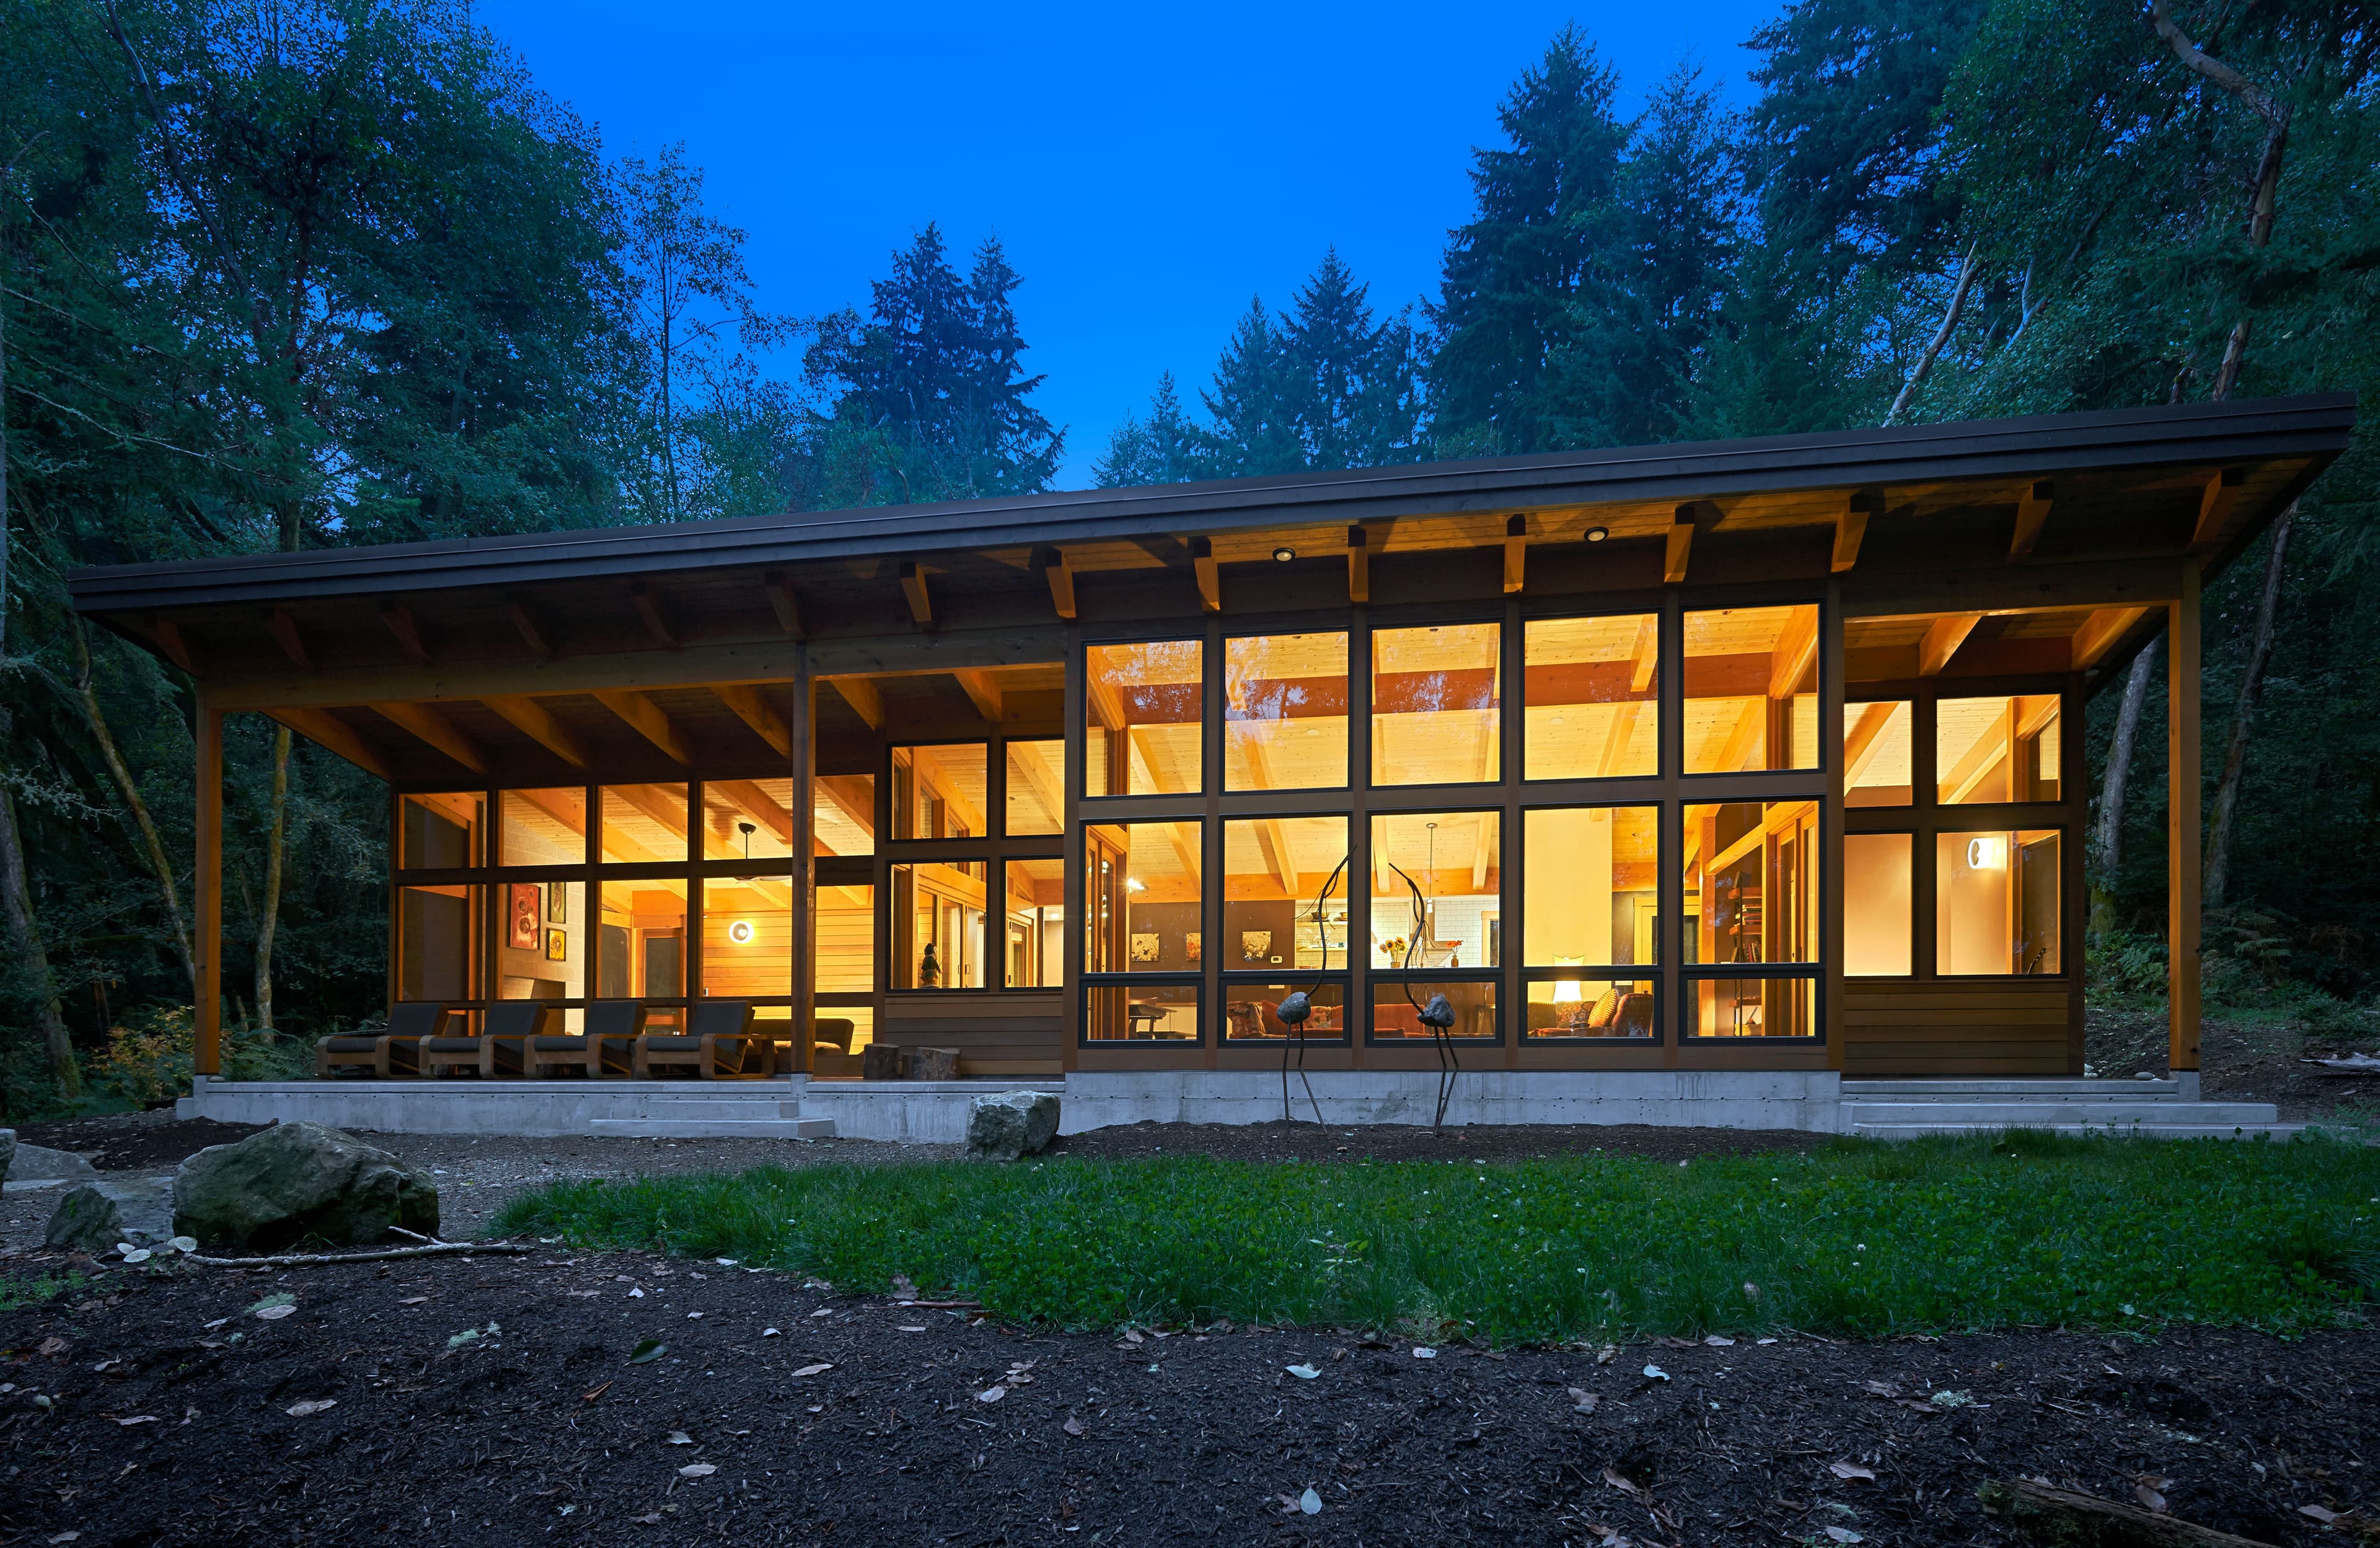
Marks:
<point>1310,1502</point>
<point>2149,1497</point>
<point>697,1470</point>
<point>1949,1399</point>
<point>770,1333</point>
<point>1603,1356</point>
<point>137,1418</point>
<point>638,1294</point>
<point>1764,1340</point>
<point>1848,1470</point>
<point>693,1315</point>
<point>1654,1374</point>
<point>184,1245</point>
<point>1717,1341</point>
<point>1843,1534</point>
<point>590,1396</point>
<point>278,1298</point>
<point>679,1437</point>
<point>1425,1352</point>
<point>991,1395</point>
<point>2311,1512</point>
<point>1302,1372</point>
<point>408,1300</point>
<point>909,1327</point>
<point>814,1370</point>
<point>310,1405</point>
<point>646,1352</point>
<point>1882,1389</point>
<point>903,1290</point>
<point>1625,1487</point>
<point>1132,1336</point>
<point>66,1537</point>
<point>1583,1399</point>
<point>133,1255</point>
<point>653,1520</point>
<point>273,1313</point>
<point>216,1323</point>
<point>51,1346</point>
<point>1073,1426</point>
<point>824,1311</point>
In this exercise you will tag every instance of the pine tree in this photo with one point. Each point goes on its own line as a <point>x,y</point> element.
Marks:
<point>1255,403</point>
<point>1353,385</point>
<point>1161,448</point>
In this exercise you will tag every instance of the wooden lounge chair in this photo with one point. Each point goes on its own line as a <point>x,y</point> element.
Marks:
<point>385,1054</point>
<point>510,1026</point>
<point>607,1045</point>
<point>719,1043</point>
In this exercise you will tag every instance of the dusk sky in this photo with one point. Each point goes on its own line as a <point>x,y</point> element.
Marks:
<point>1147,171</point>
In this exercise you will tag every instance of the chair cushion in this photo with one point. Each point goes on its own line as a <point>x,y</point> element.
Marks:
<point>672,1045</point>
<point>451,1046</point>
<point>559,1045</point>
<point>349,1045</point>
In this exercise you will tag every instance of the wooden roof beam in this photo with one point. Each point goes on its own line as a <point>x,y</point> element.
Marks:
<point>782,602</point>
<point>174,643</point>
<point>647,719</point>
<point>980,687</point>
<point>1359,565</point>
<point>912,586</point>
<point>434,728</point>
<point>1516,553</point>
<point>1680,546</point>
<point>755,707</point>
<point>402,624</point>
<point>866,699</point>
<point>2032,511</point>
<point>1061,577</point>
<point>535,721</point>
<point>530,627</point>
<point>1942,641</point>
<point>2099,634</point>
<point>656,616</point>
<point>1850,528</point>
<point>326,729</point>
<point>1210,579</point>
<point>2215,501</point>
<point>285,634</point>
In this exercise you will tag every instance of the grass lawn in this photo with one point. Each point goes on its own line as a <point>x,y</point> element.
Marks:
<point>1937,1235</point>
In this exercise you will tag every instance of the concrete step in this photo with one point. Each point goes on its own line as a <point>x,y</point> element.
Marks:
<point>2061,1115</point>
<point>2143,1130</point>
<point>1990,1090</point>
<point>715,1128</point>
<point>720,1107</point>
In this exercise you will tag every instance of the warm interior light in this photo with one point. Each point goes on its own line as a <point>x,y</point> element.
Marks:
<point>740,932</point>
<point>1598,534</point>
<point>1284,554</point>
<point>1987,851</point>
<point>1133,884</point>
<point>1569,991</point>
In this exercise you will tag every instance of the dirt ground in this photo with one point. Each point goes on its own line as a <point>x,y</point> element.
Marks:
<point>2239,1062</point>
<point>492,1400</point>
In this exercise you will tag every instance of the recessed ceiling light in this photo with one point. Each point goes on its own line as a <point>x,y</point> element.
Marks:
<point>1284,554</point>
<point>1598,534</point>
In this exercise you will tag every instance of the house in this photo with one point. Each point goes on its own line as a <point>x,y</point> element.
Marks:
<point>1695,778</point>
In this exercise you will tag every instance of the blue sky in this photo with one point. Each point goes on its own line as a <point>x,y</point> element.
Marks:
<point>1149,171</point>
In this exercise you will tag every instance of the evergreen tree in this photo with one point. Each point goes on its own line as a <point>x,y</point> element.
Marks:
<point>1255,404</point>
<point>1162,449</point>
<point>1352,386</point>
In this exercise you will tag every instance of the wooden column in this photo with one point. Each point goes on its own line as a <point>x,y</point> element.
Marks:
<point>803,736</point>
<point>2181,833</point>
<point>207,892</point>
<point>1830,819</point>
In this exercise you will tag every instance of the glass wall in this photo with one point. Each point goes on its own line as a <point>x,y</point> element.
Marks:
<point>1592,688</point>
<point>440,832</point>
<point>1146,732</point>
<point>1437,919</point>
<point>1435,692</point>
<point>1751,889</point>
<point>1035,777</point>
<point>1036,923</point>
<point>1996,750</point>
<point>1877,891</point>
<point>1144,903</point>
<point>937,925</point>
<point>1752,689</point>
<point>1996,902</point>
<point>1285,712</point>
<point>1879,746</point>
<point>1286,924</point>
<point>941,792</point>
<point>1588,910</point>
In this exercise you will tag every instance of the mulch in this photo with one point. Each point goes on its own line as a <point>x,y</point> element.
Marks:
<point>136,1143</point>
<point>179,1417</point>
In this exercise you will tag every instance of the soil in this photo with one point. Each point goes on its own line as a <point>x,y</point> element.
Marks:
<point>2239,1062</point>
<point>179,1417</point>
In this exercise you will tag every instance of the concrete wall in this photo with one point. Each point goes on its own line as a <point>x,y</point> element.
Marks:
<point>1718,1099</point>
<point>469,1106</point>
<point>908,1112</point>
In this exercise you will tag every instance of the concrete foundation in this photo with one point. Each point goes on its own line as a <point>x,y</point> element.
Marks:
<point>1715,1099</point>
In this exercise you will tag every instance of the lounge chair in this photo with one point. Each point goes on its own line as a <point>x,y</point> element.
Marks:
<point>387,1053</point>
<point>607,1045</point>
<point>510,1026</point>
<point>719,1043</point>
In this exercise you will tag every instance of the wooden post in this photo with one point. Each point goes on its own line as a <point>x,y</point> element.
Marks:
<point>1831,817</point>
<point>803,737</point>
<point>207,893</point>
<point>2181,833</point>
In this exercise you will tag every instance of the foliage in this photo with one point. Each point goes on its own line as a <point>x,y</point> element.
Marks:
<point>19,1292</point>
<point>1941,1235</point>
<point>147,1059</point>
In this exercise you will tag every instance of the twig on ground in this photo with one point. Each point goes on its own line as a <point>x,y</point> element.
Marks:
<point>309,1260</point>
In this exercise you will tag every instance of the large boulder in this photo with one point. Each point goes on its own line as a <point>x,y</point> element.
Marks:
<point>96,1216</point>
<point>299,1182</point>
<point>7,1152</point>
<point>1013,1124</point>
<point>39,1163</point>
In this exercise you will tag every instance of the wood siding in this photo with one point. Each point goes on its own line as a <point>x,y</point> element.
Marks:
<point>1012,1032</point>
<point>1990,1027</point>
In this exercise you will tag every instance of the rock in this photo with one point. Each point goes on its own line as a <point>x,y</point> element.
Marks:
<point>933,1064</point>
<point>37,1164</point>
<point>8,1151</point>
<point>299,1182</point>
<point>1013,1124</point>
<point>96,1216</point>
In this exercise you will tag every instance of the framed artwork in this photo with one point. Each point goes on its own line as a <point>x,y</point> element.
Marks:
<point>1255,944</point>
<point>1145,949</point>
<point>557,946</point>
<point>557,904</point>
<point>1194,946</point>
<point>524,907</point>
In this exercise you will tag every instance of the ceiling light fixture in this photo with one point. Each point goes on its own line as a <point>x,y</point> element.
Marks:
<point>1598,534</point>
<point>740,932</point>
<point>1284,554</point>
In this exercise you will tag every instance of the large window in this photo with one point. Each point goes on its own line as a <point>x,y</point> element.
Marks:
<point>1879,748</point>
<point>1995,903</point>
<point>1592,690</point>
<point>1144,906</point>
<point>440,832</point>
<point>1036,774</point>
<point>542,827</point>
<point>1877,890</point>
<point>644,825</point>
<point>1036,923</point>
<point>1285,923</point>
<point>641,946</point>
<point>1436,920</point>
<point>1588,915</point>
<point>1752,901</point>
<point>1990,751</point>
<point>1435,693</point>
<point>940,793</point>
<point>938,924</point>
<point>1752,689</point>
<point>1146,732</point>
<point>1285,712</point>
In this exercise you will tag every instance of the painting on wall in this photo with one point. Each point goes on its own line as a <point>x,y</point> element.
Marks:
<point>1145,949</point>
<point>524,907</point>
<point>1255,944</point>
<point>557,904</point>
<point>1194,947</point>
<point>557,946</point>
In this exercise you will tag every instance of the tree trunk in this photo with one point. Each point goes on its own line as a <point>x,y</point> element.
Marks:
<point>2243,716</point>
<point>2107,842</point>
<point>273,844</point>
<point>168,887</point>
<point>1942,336</point>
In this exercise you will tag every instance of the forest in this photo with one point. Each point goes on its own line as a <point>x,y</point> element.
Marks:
<point>336,271</point>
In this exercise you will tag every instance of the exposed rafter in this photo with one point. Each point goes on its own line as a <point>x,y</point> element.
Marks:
<point>1061,577</point>
<point>285,634</point>
<point>1359,565</point>
<point>782,602</point>
<point>1516,553</point>
<point>326,729</point>
<point>2099,634</point>
<point>535,721</point>
<point>1210,579</point>
<point>982,689</point>
<point>2032,511</point>
<point>757,708</point>
<point>401,623</point>
<point>175,644</point>
<point>2215,498</point>
<point>912,586</point>
<point>647,719</point>
<point>1942,641</point>
<point>532,629</point>
<point>434,728</point>
<point>658,622</point>
<point>1680,546</point>
<point>865,699</point>
<point>1851,530</point>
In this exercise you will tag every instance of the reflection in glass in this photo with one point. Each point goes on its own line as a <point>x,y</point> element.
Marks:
<point>541,941</point>
<point>1285,712</point>
<point>1591,1007</point>
<point>640,947</point>
<point>440,832</point>
<point>1877,898</point>
<point>644,824</point>
<point>1751,882</point>
<point>1450,859</point>
<point>433,942</point>
<point>1146,704</point>
<point>1592,687</point>
<point>748,819</point>
<point>1036,773</point>
<point>1036,923</point>
<point>1996,749</point>
<point>1252,1011</point>
<point>842,812</point>
<point>1274,869</point>
<point>1143,893</point>
<point>1398,1002</point>
<point>1590,884</point>
<point>937,925</point>
<point>1752,1007</point>
<point>1141,1013</point>
<point>941,792</point>
<point>1878,748</point>
<point>1995,903</point>
<point>1752,689</point>
<point>1435,693</point>
<point>542,827</point>
<point>747,942</point>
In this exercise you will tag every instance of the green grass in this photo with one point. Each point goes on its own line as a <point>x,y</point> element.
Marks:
<point>1937,1235</point>
<point>18,1292</point>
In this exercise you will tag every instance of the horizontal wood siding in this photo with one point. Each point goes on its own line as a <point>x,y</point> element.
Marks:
<point>995,1034</point>
<point>1989,1027</point>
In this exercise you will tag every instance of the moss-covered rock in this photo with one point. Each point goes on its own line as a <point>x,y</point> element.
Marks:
<point>299,1182</point>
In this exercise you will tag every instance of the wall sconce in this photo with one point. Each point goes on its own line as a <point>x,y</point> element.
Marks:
<point>1987,851</point>
<point>740,932</point>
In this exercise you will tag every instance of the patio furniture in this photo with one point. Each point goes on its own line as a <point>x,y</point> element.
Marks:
<point>383,1052</point>
<point>719,1043</point>
<point>607,1045</point>
<point>510,1027</point>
